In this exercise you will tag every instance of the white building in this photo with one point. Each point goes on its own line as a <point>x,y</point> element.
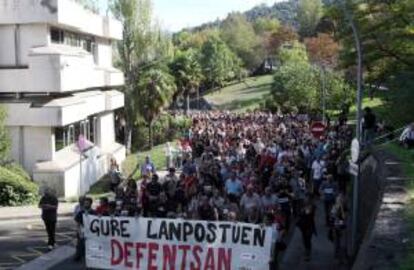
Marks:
<point>57,81</point>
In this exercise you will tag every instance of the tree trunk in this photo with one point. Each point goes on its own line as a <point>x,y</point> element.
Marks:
<point>187,103</point>
<point>150,142</point>
<point>128,138</point>
<point>198,98</point>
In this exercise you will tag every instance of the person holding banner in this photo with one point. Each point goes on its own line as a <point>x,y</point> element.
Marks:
<point>80,246</point>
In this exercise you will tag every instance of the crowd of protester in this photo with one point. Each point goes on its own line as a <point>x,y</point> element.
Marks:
<point>260,168</point>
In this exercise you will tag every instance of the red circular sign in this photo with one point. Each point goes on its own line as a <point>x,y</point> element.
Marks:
<point>318,129</point>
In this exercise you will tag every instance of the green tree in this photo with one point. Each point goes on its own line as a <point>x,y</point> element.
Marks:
<point>133,51</point>
<point>240,36</point>
<point>219,63</point>
<point>188,74</point>
<point>309,14</point>
<point>4,136</point>
<point>266,25</point>
<point>294,52</point>
<point>154,90</point>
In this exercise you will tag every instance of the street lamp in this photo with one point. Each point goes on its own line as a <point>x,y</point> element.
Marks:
<point>358,122</point>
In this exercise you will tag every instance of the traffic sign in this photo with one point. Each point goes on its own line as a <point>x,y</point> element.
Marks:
<point>318,129</point>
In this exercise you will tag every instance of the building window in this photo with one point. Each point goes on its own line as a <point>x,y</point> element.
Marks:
<point>66,136</point>
<point>59,36</point>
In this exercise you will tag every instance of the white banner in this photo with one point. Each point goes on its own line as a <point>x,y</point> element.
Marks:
<point>175,244</point>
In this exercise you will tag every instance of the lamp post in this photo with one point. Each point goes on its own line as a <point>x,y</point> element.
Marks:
<point>355,199</point>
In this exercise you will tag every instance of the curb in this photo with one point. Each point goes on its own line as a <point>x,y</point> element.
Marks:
<point>50,259</point>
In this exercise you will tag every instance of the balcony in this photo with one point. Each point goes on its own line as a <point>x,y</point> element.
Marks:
<point>46,111</point>
<point>65,13</point>
<point>59,69</point>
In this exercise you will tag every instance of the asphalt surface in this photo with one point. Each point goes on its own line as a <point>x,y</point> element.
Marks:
<point>24,240</point>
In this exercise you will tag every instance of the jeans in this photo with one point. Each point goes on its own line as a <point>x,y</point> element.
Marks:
<point>50,229</point>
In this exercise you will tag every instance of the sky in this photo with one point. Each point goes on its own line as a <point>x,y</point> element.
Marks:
<point>175,15</point>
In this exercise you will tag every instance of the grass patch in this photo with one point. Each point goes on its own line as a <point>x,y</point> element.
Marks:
<point>241,96</point>
<point>407,158</point>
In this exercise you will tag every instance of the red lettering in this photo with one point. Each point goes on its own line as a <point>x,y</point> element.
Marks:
<point>152,256</point>
<point>224,261</point>
<point>184,248</point>
<point>127,253</point>
<point>209,263</point>
<point>196,254</point>
<point>139,247</point>
<point>170,255</point>
<point>116,245</point>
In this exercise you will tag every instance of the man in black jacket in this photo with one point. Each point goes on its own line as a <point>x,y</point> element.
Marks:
<point>49,205</point>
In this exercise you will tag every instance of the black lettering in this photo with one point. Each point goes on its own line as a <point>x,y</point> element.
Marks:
<point>149,234</point>
<point>199,233</point>
<point>245,235</point>
<point>259,237</point>
<point>93,228</point>
<point>236,234</point>
<point>124,231</point>
<point>211,235</point>
<point>188,230</point>
<point>105,227</point>
<point>115,228</point>
<point>163,230</point>
<point>224,228</point>
<point>175,231</point>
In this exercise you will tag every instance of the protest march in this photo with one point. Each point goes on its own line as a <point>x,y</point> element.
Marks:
<point>142,243</point>
<point>236,186</point>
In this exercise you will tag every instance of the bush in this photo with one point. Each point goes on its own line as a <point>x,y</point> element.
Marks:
<point>16,188</point>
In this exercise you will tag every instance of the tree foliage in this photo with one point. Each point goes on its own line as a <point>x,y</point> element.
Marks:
<point>4,136</point>
<point>187,72</point>
<point>240,36</point>
<point>323,50</point>
<point>219,63</point>
<point>309,14</point>
<point>154,90</point>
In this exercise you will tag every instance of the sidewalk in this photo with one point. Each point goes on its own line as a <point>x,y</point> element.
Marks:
<point>322,249</point>
<point>32,211</point>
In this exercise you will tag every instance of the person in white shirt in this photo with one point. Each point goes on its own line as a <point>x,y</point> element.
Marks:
<point>318,167</point>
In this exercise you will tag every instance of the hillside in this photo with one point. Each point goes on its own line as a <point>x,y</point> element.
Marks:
<point>241,96</point>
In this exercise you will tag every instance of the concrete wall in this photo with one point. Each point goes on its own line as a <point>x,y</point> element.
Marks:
<point>67,182</point>
<point>385,244</point>
<point>31,35</point>
<point>64,111</point>
<point>7,50</point>
<point>106,130</point>
<point>38,146</point>
<point>63,12</point>
<point>104,52</point>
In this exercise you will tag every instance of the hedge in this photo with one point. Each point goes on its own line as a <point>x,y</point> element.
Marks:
<point>16,188</point>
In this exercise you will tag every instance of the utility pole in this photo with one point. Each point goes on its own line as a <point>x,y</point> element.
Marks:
<point>323,84</point>
<point>358,129</point>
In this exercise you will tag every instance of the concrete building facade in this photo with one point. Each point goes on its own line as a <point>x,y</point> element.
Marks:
<point>57,82</point>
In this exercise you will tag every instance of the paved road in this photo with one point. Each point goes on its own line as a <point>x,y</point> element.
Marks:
<point>24,240</point>
<point>322,253</point>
